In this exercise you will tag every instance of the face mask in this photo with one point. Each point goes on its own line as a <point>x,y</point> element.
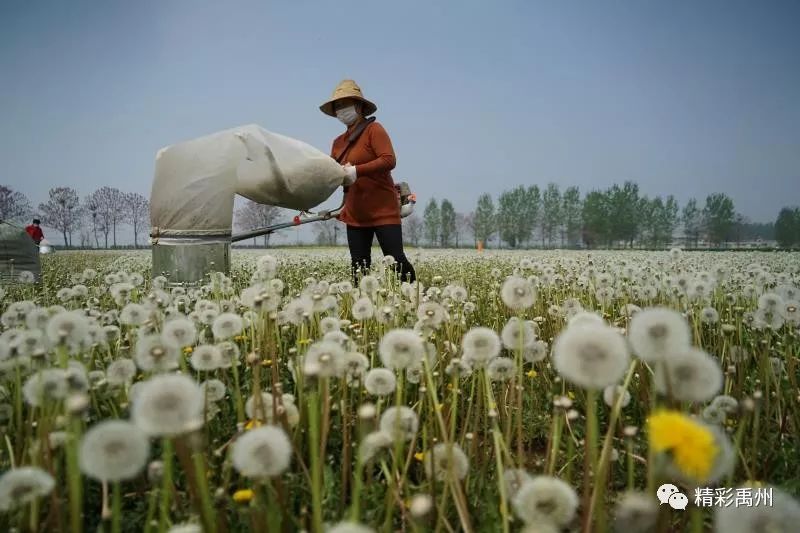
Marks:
<point>347,115</point>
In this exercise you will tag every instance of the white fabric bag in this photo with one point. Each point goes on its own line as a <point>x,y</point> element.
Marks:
<point>285,172</point>
<point>196,180</point>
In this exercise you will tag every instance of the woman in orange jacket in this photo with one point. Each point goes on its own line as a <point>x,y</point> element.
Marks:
<point>372,206</point>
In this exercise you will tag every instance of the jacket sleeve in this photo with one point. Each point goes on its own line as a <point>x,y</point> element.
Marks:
<point>382,147</point>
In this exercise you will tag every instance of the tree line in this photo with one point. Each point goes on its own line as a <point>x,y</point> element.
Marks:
<point>96,217</point>
<point>525,216</point>
<point>619,216</point>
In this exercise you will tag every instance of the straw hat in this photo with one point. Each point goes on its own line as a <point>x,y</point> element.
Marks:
<point>348,89</point>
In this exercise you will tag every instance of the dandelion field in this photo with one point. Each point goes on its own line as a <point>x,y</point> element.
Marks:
<point>505,391</point>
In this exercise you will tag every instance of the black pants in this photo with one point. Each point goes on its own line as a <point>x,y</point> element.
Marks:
<point>390,238</point>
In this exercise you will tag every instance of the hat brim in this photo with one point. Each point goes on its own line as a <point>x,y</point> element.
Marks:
<point>368,109</point>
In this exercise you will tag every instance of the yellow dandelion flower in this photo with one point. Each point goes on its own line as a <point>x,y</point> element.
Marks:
<point>188,350</point>
<point>304,341</point>
<point>266,362</point>
<point>243,495</point>
<point>532,373</point>
<point>253,424</point>
<point>571,395</point>
<point>419,456</point>
<point>690,444</point>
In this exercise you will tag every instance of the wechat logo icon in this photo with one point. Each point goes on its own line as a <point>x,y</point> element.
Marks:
<point>670,495</point>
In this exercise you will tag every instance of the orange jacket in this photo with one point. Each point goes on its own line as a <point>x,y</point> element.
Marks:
<point>372,200</point>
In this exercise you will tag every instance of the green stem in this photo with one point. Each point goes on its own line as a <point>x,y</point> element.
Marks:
<point>238,394</point>
<point>273,510</point>
<point>151,509</point>
<point>116,508</point>
<point>166,486</point>
<point>555,441</point>
<point>498,454</point>
<point>316,467</point>
<point>591,474</point>
<point>205,497</point>
<point>74,477</point>
<point>696,519</point>
<point>355,510</point>
<point>629,454</point>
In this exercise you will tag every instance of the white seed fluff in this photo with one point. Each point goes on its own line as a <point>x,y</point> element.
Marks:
<point>168,405</point>
<point>263,452</point>
<point>113,450</point>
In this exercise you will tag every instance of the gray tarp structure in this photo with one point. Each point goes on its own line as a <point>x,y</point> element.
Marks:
<point>18,252</point>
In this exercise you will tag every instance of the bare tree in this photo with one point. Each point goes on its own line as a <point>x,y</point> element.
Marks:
<point>92,214</point>
<point>14,206</point>
<point>463,225</point>
<point>252,216</point>
<point>62,211</point>
<point>413,228</point>
<point>86,237</point>
<point>137,209</point>
<point>327,232</point>
<point>111,210</point>
<point>100,210</point>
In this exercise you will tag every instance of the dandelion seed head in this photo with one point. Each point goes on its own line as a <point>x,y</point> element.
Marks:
<point>545,499</point>
<point>22,485</point>
<point>518,334</point>
<point>612,392</point>
<point>133,314</point>
<point>445,460</point>
<point>113,450</point>
<point>536,352</point>
<point>399,422</point>
<point>181,331</point>
<point>480,344</point>
<point>380,382</point>
<point>582,318</point>
<point>420,505</point>
<point>167,405</point>
<point>636,513</point>
<point>590,356</point>
<point>655,333</point>
<point>326,358</point>
<point>329,324</point>
<point>431,314</point>
<point>154,353</point>
<point>206,358</point>
<point>690,375</point>
<point>782,515</point>
<point>264,452</point>
<point>367,411</point>
<point>68,327</point>
<point>350,527</point>
<point>45,386</point>
<point>514,478</point>
<point>230,354</point>
<point>363,309</point>
<point>500,369</point>
<point>401,348</point>
<point>120,372</point>
<point>728,404</point>
<point>373,443</point>
<point>518,293</point>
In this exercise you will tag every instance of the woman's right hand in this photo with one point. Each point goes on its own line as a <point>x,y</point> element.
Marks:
<point>350,175</point>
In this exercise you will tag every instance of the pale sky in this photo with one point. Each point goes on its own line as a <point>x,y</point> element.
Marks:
<point>683,97</point>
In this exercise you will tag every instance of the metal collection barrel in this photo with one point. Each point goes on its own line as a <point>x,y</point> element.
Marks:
<point>189,260</point>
